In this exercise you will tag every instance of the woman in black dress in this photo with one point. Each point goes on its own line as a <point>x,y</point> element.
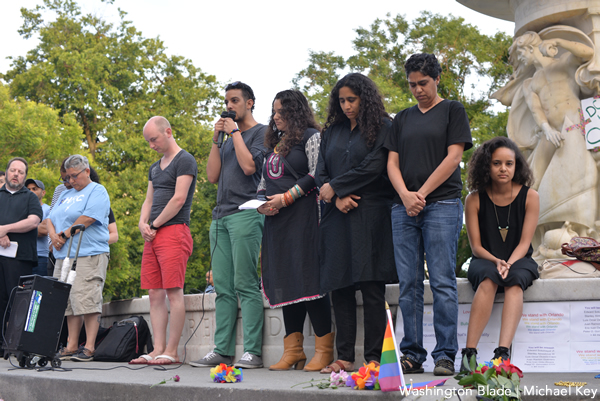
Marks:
<point>290,261</point>
<point>355,245</point>
<point>501,215</point>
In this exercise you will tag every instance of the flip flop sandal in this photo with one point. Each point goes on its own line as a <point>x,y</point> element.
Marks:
<point>409,366</point>
<point>146,358</point>
<point>163,360</point>
<point>336,367</point>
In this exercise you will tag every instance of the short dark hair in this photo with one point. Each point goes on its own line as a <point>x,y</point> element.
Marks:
<point>20,159</point>
<point>94,175</point>
<point>247,91</point>
<point>62,165</point>
<point>425,63</point>
<point>2,173</point>
<point>479,165</point>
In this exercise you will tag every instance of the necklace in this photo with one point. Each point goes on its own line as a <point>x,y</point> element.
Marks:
<point>279,144</point>
<point>503,231</point>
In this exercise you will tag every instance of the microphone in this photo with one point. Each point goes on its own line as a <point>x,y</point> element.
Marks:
<point>223,134</point>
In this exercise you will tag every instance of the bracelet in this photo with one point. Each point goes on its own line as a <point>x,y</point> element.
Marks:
<point>288,198</point>
<point>294,197</point>
<point>215,142</point>
<point>298,190</point>
<point>235,130</point>
<point>283,201</point>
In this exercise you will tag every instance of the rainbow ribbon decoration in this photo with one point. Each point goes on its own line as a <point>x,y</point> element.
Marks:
<point>226,374</point>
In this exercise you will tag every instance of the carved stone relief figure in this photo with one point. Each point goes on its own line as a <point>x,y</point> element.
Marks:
<point>545,122</point>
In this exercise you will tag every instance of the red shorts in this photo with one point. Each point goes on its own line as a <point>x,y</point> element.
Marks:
<point>165,258</point>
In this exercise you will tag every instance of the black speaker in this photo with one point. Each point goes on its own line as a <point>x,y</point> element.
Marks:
<point>36,317</point>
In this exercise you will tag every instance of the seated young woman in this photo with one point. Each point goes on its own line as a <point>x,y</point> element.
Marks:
<point>501,216</point>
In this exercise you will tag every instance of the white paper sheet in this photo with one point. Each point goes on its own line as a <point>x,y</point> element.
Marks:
<point>11,251</point>
<point>544,322</point>
<point>541,357</point>
<point>585,321</point>
<point>251,204</point>
<point>585,357</point>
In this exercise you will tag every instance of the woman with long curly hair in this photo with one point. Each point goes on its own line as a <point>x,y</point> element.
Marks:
<point>290,260</point>
<point>501,215</point>
<point>355,245</point>
<point>426,147</point>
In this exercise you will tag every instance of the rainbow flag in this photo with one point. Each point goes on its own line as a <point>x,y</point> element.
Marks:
<point>391,377</point>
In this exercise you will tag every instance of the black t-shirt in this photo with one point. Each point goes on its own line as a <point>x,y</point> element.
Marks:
<point>422,140</point>
<point>16,207</point>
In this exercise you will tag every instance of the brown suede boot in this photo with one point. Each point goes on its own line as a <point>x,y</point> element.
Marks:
<point>293,353</point>
<point>323,353</point>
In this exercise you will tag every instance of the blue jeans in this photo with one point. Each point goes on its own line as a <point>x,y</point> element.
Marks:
<point>434,232</point>
<point>41,267</point>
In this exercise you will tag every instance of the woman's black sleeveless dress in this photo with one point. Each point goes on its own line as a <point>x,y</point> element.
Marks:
<point>524,270</point>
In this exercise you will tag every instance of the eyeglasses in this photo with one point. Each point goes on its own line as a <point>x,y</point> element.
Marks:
<point>229,86</point>
<point>73,177</point>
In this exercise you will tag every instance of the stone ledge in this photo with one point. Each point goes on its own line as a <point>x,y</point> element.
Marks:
<point>201,307</point>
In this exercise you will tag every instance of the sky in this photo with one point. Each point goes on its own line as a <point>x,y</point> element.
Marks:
<point>263,43</point>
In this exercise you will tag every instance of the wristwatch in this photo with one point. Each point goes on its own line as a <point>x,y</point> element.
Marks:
<point>64,236</point>
<point>152,227</point>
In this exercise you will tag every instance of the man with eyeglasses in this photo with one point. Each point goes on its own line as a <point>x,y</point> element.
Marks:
<point>235,235</point>
<point>64,185</point>
<point>21,214</point>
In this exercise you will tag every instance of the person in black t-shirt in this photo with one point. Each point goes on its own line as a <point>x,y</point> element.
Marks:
<point>21,214</point>
<point>425,148</point>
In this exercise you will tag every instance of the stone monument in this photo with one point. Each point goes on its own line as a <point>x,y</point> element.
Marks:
<point>556,63</point>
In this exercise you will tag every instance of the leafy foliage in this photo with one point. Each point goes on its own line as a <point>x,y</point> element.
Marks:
<point>497,380</point>
<point>109,80</point>
<point>35,131</point>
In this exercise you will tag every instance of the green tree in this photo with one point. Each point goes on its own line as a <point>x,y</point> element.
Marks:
<point>35,132</point>
<point>111,80</point>
<point>318,79</point>
<point>465,55</point>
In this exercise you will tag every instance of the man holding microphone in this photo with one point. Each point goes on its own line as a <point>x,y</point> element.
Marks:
<point>235,235</point>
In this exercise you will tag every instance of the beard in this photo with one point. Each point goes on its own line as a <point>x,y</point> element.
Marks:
<point>14,187</point>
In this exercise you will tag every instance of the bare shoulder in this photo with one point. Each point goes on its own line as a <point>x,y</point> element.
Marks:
<point>532,196</point>
<point>472,199</point>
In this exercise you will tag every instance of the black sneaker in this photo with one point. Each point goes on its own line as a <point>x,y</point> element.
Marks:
<point>85,355</point>
<point>502,352</point>
<point>469,353</point>
<point>409,366</point>
<point>444,367</point>
<point>211,360</point>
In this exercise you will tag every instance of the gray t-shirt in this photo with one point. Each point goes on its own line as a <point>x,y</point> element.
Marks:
<point>164,181</point>
<point>235,187</point>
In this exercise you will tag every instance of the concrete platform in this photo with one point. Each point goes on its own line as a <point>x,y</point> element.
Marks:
<point>200,309</point>
<point>118,381</point>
